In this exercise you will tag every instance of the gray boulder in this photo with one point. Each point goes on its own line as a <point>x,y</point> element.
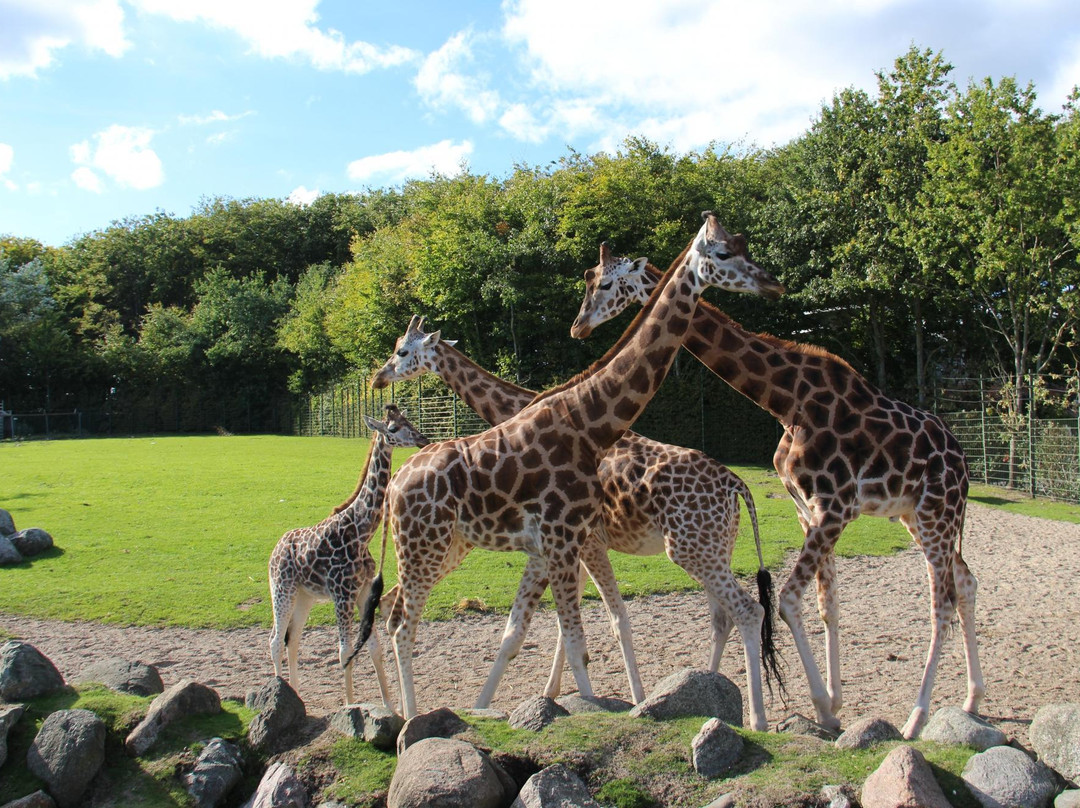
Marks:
<point>576,704</point>
<point>798,724</point>
<point>951,725</point>
<point>903,780</point>
<point>1055,736</point>
<point>7,524</point>
<point>39,799</point>
<point>32,541</point>
<point>66,754</point>
<point>715,749</point>
<point>219,767</point>
<point>448,773</point>
<point>836,797</point>
<point>1003,776</point>
<point>125,676</point>
<point>9,717</point>
<point>9,554</point>
<point>182,699</point>
<point>867,732</point>
<point>280,709</point>
<point>26,673</point>
<point>693,692</point>
<point>369,722</point>
<point>1068,799</point>
<point>279,788</point>
<point>440,723</point>
<point>536,713</point>
<point>554,787</point>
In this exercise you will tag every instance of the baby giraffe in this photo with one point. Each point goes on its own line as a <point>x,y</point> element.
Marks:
<point>330,560</point>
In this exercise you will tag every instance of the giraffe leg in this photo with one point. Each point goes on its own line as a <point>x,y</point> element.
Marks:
<point>344,605</point>
<point>564,580</point>
<point>829,609</point>
<point>283,599</point>
<point>532,586</point>
<point>304,602</point>
<point>818,540</point>
<point>966,586</point>
<point>402,626</point>
<point>941,612</point>
<point>595,559</point>
<point>721,630</point>
<point>553,688</point>
<point>375,651</point>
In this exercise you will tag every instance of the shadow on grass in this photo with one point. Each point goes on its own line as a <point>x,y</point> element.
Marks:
<point>991,500</point>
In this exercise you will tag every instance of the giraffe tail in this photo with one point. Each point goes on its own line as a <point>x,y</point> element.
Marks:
<point>770,660</point>
<point>371,602</point>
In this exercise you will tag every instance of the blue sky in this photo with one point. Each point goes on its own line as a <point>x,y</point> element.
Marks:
<point>118,108</point>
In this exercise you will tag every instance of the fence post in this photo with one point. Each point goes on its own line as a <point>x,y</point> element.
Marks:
<point>453,409</point>
<point>1031,432</point>
<point>982,421</point>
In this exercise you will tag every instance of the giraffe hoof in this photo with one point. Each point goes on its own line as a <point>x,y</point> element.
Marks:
<point>915,724</point>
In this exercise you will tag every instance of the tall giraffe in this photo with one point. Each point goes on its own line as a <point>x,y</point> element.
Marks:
<point>531,483</point>
<point>656,497</point>
<point>847,449</point>
<point>330,560</point>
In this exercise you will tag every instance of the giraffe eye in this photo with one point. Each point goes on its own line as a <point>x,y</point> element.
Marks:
<point>723,256</point>
<point>605,286</point>
<point>402,353</point>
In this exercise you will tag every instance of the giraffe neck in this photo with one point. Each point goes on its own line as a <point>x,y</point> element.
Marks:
<point>490,397</point>
<point>367,499</point>
<point>763,368</point>
<point>605,400</point>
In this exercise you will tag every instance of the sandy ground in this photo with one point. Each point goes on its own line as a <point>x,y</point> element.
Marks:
<point>1028,616</point>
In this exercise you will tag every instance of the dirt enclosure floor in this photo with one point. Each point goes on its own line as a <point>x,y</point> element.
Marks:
<point>1028,617</point>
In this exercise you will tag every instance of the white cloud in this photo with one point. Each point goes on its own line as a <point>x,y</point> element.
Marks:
<point>121,153</point>
<point>214,116</point>
<point>7,157</point>
<point>283,29</point>
<point>302,197</point>
<point>443,157</point>
<point>34,30</point>
<point>442,82</point>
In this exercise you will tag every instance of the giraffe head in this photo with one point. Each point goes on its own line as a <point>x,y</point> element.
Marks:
<point>414,355</point>
<point>397,429</point>
<point>722,260</point>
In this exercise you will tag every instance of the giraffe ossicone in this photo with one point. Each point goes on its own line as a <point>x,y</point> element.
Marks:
<point>331,561</point>
<point>847,449</point>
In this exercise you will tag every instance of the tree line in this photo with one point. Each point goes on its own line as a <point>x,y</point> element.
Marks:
<point>924,230</point>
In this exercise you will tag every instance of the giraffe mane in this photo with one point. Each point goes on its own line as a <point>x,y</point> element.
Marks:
<point>484,374</point>
<point>627,335</point>
<point>359,483</point>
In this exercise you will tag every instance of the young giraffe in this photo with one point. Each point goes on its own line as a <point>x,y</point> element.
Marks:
<point>847,449</point>
<point>531,483</point>
<point>656,497</point>
<point>330,560</point>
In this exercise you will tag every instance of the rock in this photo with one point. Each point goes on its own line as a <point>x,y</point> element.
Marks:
<point>836,797</point>
<point>536,713</point>
<point>370,722</point>
<point>8,552</point>
<point>280,708</point>
<point>220,766</point>
<point>483,712</point>
<point>66,753</point>
<point>279,788</point>
<point>1068,799</point>
<point>1004,776</point>
<point>39,799</point>
<point>951,725</point>
<point>9,717</point>
<point>903,780</point>
<point>7,524</point>
<point>1055,736</point>
<point>124,676</point>
<point>440,723</point>
<point>693,693</point>
<point>575,704</point>
<point>798,724</point>
<point>554,787</point>
<point>26,673</point>
<point>448,773</point>
<point>715,749</point>
<point>32,541</point>
<point>723,801</point>
<point>182,699</point>
<point>867,732</point>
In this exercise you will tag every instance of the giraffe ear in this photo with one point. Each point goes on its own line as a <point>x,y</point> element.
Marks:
<point>450,342</point>
<point>639,264</point>
<point>432,338</point>
<point>375,426</point>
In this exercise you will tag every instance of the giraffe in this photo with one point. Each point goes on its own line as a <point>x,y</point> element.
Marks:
<point>531,483</point>
<point>330,560</point>
<point>655,497</point>
<point>847,449</point>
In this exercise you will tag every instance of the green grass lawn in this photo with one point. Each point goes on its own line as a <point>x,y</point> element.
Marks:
<point>178,530</point>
